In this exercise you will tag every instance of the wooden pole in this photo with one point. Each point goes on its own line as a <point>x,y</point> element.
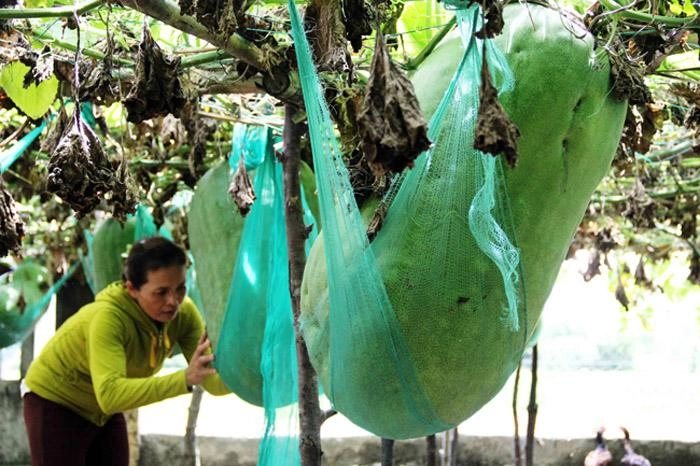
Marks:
<point>310,417</point>
<point>387,452</point>
<point>430,450</point>
<point>454,442</point>
<point>532,412</point>
<point>191,447</point>
<point>517,454</point>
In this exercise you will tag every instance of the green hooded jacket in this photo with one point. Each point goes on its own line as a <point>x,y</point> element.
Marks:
<point>102,359</point>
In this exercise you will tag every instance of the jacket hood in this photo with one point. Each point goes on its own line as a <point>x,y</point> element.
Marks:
<point>116,295</point>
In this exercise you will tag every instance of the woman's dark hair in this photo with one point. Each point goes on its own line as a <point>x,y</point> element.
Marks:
<point>151,254</point>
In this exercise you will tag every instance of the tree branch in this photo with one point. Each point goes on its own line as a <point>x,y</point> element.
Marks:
<point>53,12</point>
<point>281,84</point>
<point>169,13</point>
<point>309,410</point>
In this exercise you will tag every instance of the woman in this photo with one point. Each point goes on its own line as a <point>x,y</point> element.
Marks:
<point>102,361</point>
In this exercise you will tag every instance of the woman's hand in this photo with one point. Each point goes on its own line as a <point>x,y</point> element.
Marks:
<point>200,363</point>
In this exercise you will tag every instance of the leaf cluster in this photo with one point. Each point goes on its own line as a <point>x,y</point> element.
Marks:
<point>217,63</point>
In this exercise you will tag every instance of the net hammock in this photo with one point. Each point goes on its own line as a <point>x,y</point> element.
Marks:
<point>257,338</point>
<point>9,156</point>
<point>451,209</point>
<point>17,322</point>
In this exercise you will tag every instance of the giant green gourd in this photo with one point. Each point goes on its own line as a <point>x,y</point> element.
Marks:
<point>570,127</point>
<point>214,228</point>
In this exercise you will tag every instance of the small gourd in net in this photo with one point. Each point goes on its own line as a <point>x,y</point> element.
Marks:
<point>25,293</point>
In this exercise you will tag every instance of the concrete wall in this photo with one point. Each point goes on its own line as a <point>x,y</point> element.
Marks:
<point>13,438</point>
<point>156,450</point>
<point>360,451</point>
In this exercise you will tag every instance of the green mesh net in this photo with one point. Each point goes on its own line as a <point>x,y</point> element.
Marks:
<point>355,285</point>
<point>239,348</point>
<point>449,210</point>
<point>257,338</point>
<point>457,175</point>
<point>23,301</point>
<point>8,157</point>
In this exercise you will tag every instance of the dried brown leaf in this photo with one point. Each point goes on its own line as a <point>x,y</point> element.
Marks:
<point>157,89</point>
<point>241,189</point>
<point>495,132</point>
<point>391,124</point>
<point>11,225</point>
<point>82,176</point>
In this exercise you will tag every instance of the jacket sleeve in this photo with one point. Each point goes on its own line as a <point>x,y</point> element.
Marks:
<point>192,329</point>
<point>115,392</point>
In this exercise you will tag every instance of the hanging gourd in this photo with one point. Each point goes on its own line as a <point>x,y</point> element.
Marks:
<point>238,259</point>
<point>24,296</point>
<point>107,248</point>
<point>463,310</point>
<point>110,243</point>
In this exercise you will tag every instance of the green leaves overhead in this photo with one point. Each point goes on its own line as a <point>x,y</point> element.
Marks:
<point>33,100</point>
<point>682,9</point>
<point>686,64</point>
<point>421,21</point>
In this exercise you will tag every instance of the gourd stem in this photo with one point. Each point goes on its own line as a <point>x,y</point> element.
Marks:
<point>626,12</point>
<point>52,12</point>
<point>428,49</point>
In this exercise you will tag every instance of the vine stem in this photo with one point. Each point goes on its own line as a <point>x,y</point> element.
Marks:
<point>76,66</point>
<point>629,13</point>
<point>48,38</point>
<point>52,12</point>
<point>428,49</point>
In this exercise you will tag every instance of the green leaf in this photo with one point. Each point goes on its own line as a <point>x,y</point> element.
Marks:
<point>675,7</point>
<point>686,63</point>
<point>420,21</point>
<point>39,3</point>
<point>33,100</point>
<point>687,9</point>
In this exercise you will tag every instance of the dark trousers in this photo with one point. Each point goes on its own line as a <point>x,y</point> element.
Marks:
<point>60,437</point>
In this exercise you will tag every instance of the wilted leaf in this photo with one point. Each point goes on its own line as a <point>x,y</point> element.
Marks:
<point>81,175</point>
<point>241,189</point>
<point>11,225</point>
<point>157,90</point>
<point>495,132</point>
<point>392,126</point>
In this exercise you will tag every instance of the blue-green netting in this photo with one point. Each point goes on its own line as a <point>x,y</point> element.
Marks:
<point>466,173</point>
<point>9,156</point>
<point>355,284</point>
<point>381,390</point>
<point>259,302</point>
<point>17,323</point>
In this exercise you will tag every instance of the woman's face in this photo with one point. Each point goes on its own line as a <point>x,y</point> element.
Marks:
<point>160,297</point>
